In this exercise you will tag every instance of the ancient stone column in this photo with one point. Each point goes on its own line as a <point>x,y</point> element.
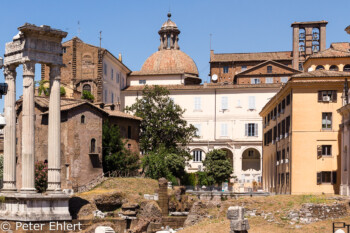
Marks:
<point>10,131</point>
<point>54,139</point>
<point>238,224</point>
<point>28,117</point>
<point>163,196</point>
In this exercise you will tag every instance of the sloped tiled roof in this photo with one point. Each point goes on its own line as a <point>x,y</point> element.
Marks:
<point>330,53</point>
<point>322,73</point>
<point>207,86</point>
<point>343,46</point>
<point>67,104</point>
<point>265,63</point>
<point>227,57</point>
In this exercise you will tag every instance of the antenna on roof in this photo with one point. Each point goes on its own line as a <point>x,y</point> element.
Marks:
<point>78,28</point>
<point>100,38</point>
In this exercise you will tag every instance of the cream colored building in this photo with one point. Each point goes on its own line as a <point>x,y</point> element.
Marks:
<point>345,145</point>
<point>301,135</point>
<point>225,115</point>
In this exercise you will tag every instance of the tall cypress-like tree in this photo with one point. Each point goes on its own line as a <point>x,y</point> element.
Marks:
<point>115,156</point>
<point>162,123</point>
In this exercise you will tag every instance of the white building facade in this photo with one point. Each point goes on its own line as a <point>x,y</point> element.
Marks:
<point>226,115</point>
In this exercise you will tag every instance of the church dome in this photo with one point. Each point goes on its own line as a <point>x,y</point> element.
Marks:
<point>169,61</point>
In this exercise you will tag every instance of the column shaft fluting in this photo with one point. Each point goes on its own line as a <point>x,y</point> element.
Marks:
<point>28,136</point>
<point>54,139</point>
<point>9,182</point>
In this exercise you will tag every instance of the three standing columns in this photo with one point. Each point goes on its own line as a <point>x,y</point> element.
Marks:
<point>54,139</point>
<point>9,177</point>
<point>28,129</point>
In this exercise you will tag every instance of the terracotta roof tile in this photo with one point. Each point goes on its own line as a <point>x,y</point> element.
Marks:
<point>343,46</point>
<point>227,57</point>
<point>330,53</point>
<point>208,86</point>
<point>322,73</point>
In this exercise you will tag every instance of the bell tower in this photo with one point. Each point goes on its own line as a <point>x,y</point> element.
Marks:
<point>169,35</point>
<point>308,38</point>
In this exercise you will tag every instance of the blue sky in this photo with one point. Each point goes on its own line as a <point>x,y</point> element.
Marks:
<point>131,27</point>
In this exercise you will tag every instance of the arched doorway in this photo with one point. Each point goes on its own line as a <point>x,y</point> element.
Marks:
<point>229,155</point>
<point>251,160</point>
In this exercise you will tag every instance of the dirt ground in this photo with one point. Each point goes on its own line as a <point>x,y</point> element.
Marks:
<point>279,206</point>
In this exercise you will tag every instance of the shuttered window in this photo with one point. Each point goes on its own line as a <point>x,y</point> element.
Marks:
<point>197,103</point>
<point>268,80</point>
<point>251,129</point>
<point>326,120</point>
<point>224,130</point>
<point>224,103</point>
<point>251,102</point>
<point>198,131</point>
<point>327,177</point>
<point>327,96</point>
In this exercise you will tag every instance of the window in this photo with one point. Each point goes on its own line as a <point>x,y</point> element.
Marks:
<point>346,68</point>
<point>324,150</point>
<point>224,130</point>
<point>326,177</point>
<point>112,97</point>
<point>118,77</point>
<point>105,68</point>
<point>112,74</point>
<point>251,102</point>
<point>269,69</point>
<point>283,129</point>
<point>198,130</point>
<point>197,103</point>
<point>283,154</point>
<point>287,179</point>
<point>288,99</point>
<point>250,153</point>
<point>287,125</point>
<point>129,131</point>
<point>327,96</point>
<point>197,156</point>
<point>268,80</point>
<point>224,103</point>
<point>142,82</point>
<point>122,84</point>
<point>93,145</point>
<point>251,129</point>
<point>282,179</point>
<point>106,93</point>
<point>255,80</point>
<point>243,68</point>
<point>64,49</point>
<point>283,105</point>
<point>301,68</point>
<point>333,68</point>
<point>225,69</point>
<point>284,79</point>
<point>87,87</point>
<point>82,119</point>
<point>238,104</point>
<point>319,67</point>
<point>326,120</point>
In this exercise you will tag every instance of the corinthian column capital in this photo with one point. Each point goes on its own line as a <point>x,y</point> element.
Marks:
<point>10,72</point>
<point>29,68</point>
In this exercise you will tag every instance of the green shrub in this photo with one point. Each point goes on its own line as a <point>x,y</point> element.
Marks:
<point>87,96</point>
<point>62,91</point>
<point>41,176</point>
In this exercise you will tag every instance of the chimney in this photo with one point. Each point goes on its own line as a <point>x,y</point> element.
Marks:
<point>120,57</point>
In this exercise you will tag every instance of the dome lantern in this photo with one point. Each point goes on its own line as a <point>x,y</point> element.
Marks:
<point>169,35</point>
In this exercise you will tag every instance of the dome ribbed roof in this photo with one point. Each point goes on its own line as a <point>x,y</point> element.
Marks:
<point>169,61</point>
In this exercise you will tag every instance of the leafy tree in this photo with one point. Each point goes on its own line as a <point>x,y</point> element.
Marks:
<point>115,156</point>
<point>43,87</point>
<point>87,96</point>
<point>41,176</point>
<point>218,166</point>
<point>162,122</point>
<point>164,163</point>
